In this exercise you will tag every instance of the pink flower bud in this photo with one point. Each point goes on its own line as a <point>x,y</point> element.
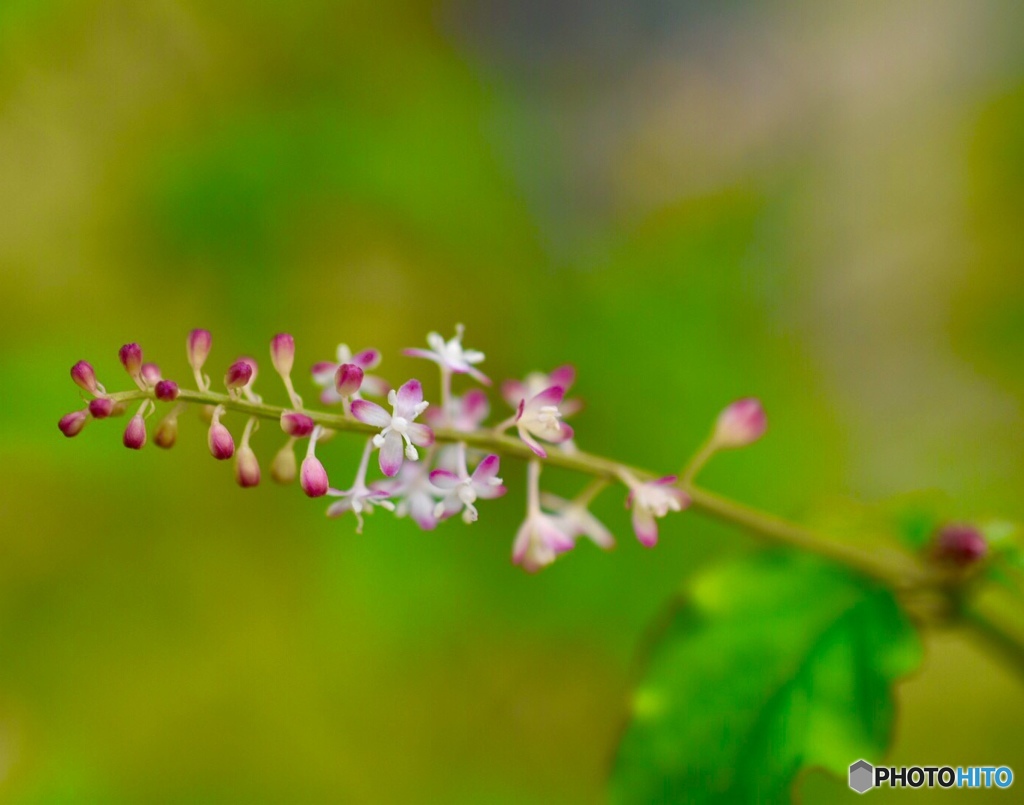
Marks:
<point>348,379</point>
<point>282,353</point>
<point>166,432</point>
<point>740,424</point>
<point>199,343</point>
<point>247,468</point>
<point>101,408</point>
<point>296,424</point>
<point>284,468</point>
<point>151,373</point>
<point>167,390</point>
<point>314,477</point>
<point>222,446</point>
<point>135,433</point>
<point>82,373</point>
<point>960,544</point>
<point>131,359</point>
<point>239,374</point>
<point>253,365</point>
<point>72,424</point>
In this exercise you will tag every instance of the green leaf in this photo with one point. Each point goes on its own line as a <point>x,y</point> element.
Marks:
<point>768,666</point>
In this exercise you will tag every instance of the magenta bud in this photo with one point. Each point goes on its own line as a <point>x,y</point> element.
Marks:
<point>135,433</point>
<point>151,373</point>
<point>255,367</point>
<point>222,446</point>
<point>282,353</point>
<point>82,373</point>
<point>247,468</point>
<point>960,544</point>
<point>101,408</point>
<point>239,374</point>
<point>167,390</point>
<point>131,359</point>
<point>313,477</point>
<point>199,343</point>
<point>348,379</point>
<point>72,424</point>
<point>296,424</point>
<point>740,424</point>
<point>284,468</point>
<point>166,432</point>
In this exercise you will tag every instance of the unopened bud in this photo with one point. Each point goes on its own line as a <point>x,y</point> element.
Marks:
<point>151,373</point>
<point>284,467</point>
<point>740,424</point>
<point>82,373</point>
<point>960,544</point>
<point>72,424</point>
<point>101,408</point>
<point>296,424</point>
<point>135,433</point>
<point>131,359</point>
<point>247,468</point>
<point>348,379</point>
<point>222,446</point>
<point>314,477</point>
<point>167,390</point>
<point>282,353</point>
<point>166,432</point>
<point>238,375</point>
<point>199,342</point>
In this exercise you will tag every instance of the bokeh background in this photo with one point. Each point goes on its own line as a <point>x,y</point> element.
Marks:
<point>820,204</point>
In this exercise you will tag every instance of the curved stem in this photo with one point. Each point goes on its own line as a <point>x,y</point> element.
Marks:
<point>898,571</point>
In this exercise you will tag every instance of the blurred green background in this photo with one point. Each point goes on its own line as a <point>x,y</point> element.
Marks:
<point>819,204</point>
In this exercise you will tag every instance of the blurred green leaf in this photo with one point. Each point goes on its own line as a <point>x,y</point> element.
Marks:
<point>768,666</point>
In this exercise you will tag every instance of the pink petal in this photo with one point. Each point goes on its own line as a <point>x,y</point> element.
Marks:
<point>520,409</point>
<point>330,396</point>
<point>375,386</point>
<point>570,407</point>
<point>421,353</point>
<point>409,396</point>
<point>550,396</point>
<point>443,479</point>
<point>477,375</point>
<point>490,492</point>
<point>565,433</point>
<point>475,405</point>
<point>563,376</point>
<point>367,359</point>
<point>486,469</point>
<point>323,372</point>
<point>522,542</point>
<point>450,505</point>
<point>532,443</point>
<point>513,391</point>
<point>370,413</point>
<point>339,507</point>
<point>391,454</point>
<point>645,526</point>
<point>420,435</point>
<point>558,540</point>
<point>666,480</point>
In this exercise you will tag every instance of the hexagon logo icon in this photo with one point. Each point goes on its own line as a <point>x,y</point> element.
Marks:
<point>862,776</point>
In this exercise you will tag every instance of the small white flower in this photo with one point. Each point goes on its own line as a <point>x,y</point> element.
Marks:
<point>451,356</point>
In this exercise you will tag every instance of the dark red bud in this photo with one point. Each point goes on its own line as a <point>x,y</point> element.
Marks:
<point>167,390</point>
<point>101,408</point>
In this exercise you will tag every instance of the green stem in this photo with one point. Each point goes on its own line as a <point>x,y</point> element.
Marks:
<point>898,571</point>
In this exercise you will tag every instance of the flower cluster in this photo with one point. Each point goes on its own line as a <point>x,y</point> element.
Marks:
<point>437,461</point>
